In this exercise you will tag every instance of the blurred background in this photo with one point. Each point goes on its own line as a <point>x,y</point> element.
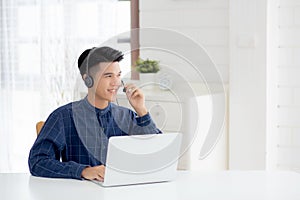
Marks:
<point>253,44</point>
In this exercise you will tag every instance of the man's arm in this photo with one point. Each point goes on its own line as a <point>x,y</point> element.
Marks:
<point>45,154</point>
<point>145,124</point>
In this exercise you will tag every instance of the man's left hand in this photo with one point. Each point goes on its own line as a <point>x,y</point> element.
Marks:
<point>136,99</point>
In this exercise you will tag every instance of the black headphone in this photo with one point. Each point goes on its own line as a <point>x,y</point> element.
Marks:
<point>84,60</point>
<point>88,81</point>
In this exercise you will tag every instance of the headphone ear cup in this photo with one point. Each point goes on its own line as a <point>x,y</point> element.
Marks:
<point>88,81</point>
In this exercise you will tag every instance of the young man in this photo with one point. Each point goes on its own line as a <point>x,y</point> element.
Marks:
<point>73,141</point>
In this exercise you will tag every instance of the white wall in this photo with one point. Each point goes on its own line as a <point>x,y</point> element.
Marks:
<point>256,46</point>
<point>247,116</point>
<point>206,22</point>
<point>272,52</point>
<point>285,88</point>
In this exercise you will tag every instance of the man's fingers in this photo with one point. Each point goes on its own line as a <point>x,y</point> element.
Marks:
<point>99,179</point>
<point>101,174</point>
<point>135,94</point>
<point>131,90</point>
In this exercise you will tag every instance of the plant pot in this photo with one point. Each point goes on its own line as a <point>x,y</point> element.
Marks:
<point>148,80</point>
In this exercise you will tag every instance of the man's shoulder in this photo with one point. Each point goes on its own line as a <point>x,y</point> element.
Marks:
<point>64,108</point>
<point>67,108</point>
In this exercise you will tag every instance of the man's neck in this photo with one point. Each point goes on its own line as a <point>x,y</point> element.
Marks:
<point>101,104</point>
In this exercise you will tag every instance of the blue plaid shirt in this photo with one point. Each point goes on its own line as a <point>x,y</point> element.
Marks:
<point>76,136</point>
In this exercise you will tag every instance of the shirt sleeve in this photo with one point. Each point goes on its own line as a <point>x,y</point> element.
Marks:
<point>145,125</point>
<point>44,156</point>
<point>144,120</point>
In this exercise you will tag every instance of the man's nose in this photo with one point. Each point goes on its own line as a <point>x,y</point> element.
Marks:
<point>116,80</point>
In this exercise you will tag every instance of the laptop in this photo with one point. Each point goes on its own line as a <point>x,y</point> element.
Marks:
<point>141,159</point>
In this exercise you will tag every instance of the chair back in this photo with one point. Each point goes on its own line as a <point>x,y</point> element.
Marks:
<point>39,126</point>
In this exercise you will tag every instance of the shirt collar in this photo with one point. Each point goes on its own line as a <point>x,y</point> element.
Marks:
<point>95,109</point>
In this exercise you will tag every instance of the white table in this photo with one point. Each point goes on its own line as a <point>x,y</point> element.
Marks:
<point>231,185</point>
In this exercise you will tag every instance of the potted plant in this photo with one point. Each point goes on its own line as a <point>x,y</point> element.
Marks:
<point>147,66</point>
<point>147,69</point>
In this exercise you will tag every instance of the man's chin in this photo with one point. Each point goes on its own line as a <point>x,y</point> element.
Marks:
<point>113,99</point>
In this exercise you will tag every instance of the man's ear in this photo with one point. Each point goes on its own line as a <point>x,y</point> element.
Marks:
<point>88,80</point>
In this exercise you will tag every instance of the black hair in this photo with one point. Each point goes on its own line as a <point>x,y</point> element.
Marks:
<point>95,55</point>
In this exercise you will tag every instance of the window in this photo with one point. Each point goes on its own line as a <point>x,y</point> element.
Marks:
<point>41,42</point>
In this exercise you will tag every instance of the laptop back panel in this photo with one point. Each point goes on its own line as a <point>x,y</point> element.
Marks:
<point>142,159</point>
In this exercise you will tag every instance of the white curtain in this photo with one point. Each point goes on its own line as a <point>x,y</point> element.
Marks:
<point>40,42</point>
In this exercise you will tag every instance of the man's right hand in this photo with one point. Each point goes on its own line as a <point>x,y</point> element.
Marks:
<point>94,173</point>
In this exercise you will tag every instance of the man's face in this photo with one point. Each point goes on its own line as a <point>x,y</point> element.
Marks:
<point>107,81</point>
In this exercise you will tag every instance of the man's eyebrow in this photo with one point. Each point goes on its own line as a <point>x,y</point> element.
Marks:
<point>110,73</point>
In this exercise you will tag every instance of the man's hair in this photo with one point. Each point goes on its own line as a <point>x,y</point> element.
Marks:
<point>96,55</point>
